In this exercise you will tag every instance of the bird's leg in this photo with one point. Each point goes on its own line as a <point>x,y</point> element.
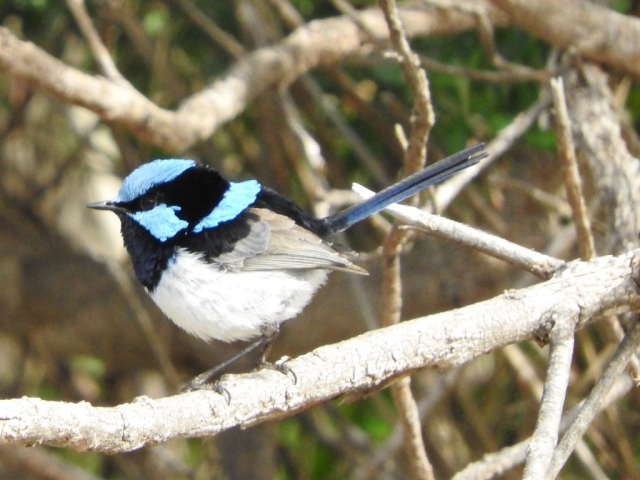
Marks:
<point>198,382</point>
<point>269,334</point>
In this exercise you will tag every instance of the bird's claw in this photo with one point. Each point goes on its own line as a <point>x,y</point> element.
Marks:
<point>212,387</point>
<point>280,366</point>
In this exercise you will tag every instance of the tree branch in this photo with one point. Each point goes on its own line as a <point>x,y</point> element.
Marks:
<point>592,405</point>
<point>590,30</point>
<point>420,124</point>
<point>545,436</point>
<point>493,464</point>
<point>571,172</point>
<point>582,291</point>
<point>615,173</point>
<point>500,144</point>
<point>100,52</point>
<point>319,42</point>
<point>536,263</point>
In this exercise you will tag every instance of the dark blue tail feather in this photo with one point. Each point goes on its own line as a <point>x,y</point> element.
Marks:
<point>431,175</point>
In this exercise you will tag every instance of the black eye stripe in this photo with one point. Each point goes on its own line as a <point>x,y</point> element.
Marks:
<point>196,192</point>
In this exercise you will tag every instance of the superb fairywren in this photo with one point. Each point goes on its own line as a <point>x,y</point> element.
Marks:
<point>232,261</point>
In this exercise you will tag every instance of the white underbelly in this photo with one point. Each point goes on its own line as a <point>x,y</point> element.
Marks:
<point>212,303</point>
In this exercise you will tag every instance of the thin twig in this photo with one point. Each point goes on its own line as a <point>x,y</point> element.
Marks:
<point>592,405</point>
<point>374,462</point>
<point>421,121</point>
<point>545,436</point>
<point>492,76</point>
<point>487,41</point>
<point>494,464</point>
<point>571,172</point>
<point>151,51</point>
<point>539,264</point>
<point>547,201</point>
<point>98,48</point>
<point>413,444</point>
<point>500,144</point>
<point>419,463</point>
<point>423,117</point>
<point>526,374</point>
<point>367,157</point>
<point>208,26</point>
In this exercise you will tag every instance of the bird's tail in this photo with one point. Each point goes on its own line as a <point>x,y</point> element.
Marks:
<point>431,175</point>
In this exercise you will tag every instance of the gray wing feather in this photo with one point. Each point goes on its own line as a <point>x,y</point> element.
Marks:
<point>253,244</point>
<point>276,242</point>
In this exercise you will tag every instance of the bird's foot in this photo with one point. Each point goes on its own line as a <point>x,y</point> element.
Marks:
<point>279,366</point>
<point>195,385</point>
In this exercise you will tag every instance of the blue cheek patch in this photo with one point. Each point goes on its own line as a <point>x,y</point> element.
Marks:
<point>161,221</point>
<point>238,197</point>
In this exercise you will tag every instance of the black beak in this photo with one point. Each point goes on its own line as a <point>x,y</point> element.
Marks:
<point>107,205</point>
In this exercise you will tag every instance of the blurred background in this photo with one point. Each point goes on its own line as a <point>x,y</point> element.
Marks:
<point>75,326</point>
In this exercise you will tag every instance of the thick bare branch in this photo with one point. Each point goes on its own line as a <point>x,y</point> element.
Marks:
<point>615,173</point>
<point>316,43</point>
<point>583,290</point>
<point>588,29</point>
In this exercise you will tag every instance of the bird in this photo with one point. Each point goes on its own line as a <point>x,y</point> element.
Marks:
<point>231,261</point>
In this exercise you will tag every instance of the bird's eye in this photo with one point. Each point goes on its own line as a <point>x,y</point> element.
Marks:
<point>149,202</point>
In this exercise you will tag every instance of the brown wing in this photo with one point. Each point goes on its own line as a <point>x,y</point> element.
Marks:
<point>277,243</point>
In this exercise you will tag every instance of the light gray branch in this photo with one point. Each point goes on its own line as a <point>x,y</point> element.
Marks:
<point>581,291</point>
<point>589,29</point>
<point>537,263</point>
<point>592,405</point>
<point>615,173</point>
<point>571,172</point>
<point>545,435</point>
<point>320,42</point>
<point>494,464</point>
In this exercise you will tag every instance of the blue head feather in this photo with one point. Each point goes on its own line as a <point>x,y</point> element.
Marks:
<point>238,197</point>
<point>161,221</point>
<point>147,176</point>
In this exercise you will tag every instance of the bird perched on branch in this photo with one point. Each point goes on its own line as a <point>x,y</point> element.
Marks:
<point>232,261</point>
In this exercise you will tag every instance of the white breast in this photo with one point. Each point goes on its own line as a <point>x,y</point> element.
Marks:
<point>212,303</point>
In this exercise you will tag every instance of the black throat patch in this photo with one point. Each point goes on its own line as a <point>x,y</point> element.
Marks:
<point>150,257</point>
